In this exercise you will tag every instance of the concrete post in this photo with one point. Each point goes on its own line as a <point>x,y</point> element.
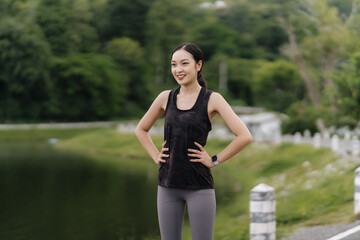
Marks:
<point>277,138</point>
<point>355,146</point>
<point>317,140</point>
<point>297,138</point>
<point>307,133</point>
<point>357,191</point>
<point>262,213</point>
<point>335,143</point>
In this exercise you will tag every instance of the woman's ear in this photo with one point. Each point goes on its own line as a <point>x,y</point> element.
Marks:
<point>199,65</point>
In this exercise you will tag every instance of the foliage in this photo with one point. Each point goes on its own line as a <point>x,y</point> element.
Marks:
<point>214,38</point>
<point>129,56</point>
<point>316,36</point>
<point>67,29</point>
<point>127,18</point>
<point>240,79</point>
<point>277,85</point>
<point>87,87</point>
<point>301,117</point>
<point>326,42</point>
<point>164,33</point>
<point>24,81</point>
<point>348,87</point>
<point>53,17</point>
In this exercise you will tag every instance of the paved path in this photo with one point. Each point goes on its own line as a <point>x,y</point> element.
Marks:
<point>325,232</point>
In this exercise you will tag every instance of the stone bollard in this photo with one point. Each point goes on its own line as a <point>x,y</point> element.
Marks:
<point>355,146</point>
<point>317,140</point>
<point>297,138</point>
<point>357,191</point>
<point>262,213</point>
<point>277,138</point>
<point>307,133</point>
<point>335,143</point>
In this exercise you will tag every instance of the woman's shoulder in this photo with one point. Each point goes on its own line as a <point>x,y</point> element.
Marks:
<point>215,96</point>
<point>216,100</point>
<point>162,98</point>
<point>164,95</point>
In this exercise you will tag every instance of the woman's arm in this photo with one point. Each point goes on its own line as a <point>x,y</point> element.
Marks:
<point>217,104</point>
<point>142,130</point>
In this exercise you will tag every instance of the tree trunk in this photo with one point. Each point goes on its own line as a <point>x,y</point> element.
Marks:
<point>297,57</point>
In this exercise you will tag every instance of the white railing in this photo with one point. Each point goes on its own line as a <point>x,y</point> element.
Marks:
<point>347,144</point>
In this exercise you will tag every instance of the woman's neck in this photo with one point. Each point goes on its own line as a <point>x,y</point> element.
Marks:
<point>190,89</point>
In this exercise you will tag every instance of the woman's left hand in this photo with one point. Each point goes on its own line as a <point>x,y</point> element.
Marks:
<point>201,155</point>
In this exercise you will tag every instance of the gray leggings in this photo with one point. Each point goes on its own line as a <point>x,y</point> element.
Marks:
<point>171,209</point>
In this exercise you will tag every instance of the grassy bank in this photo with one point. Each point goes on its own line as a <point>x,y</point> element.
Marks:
<point>313,186</point>
<point>41,135</point>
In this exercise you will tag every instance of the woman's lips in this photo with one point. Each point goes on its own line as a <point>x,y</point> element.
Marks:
<point>180,77</point>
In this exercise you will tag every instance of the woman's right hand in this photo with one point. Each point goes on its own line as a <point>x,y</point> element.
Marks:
<point>162,154</point>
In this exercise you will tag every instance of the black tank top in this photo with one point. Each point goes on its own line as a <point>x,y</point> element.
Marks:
<point>182,128</point>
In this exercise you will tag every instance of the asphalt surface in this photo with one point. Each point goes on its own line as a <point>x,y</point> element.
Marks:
<point>324,232</point>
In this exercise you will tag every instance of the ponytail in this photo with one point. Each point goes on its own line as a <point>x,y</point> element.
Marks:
<point>201,80</point>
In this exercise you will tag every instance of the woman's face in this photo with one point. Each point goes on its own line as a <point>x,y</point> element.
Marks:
<point>184,68</point>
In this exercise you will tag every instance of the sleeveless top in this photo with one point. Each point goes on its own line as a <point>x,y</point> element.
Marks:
<point>182,128</point>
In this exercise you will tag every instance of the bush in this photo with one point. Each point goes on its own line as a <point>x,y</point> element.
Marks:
<point>277,85</point>
<point>301,117</point>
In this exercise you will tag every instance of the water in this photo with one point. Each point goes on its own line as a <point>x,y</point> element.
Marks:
<point>54,195</point>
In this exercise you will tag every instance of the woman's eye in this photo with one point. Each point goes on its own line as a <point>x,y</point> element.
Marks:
<point>185,63</point>
<point>173,65</point>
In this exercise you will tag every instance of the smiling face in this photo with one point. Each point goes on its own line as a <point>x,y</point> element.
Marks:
<point>184,68</point>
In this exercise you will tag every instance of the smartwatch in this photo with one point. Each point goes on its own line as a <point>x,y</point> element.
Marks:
<point>215,160</point>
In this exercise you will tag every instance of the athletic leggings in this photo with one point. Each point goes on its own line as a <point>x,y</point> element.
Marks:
<point>171,209</point>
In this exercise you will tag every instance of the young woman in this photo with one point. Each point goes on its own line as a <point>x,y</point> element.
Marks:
<point>184,173</point>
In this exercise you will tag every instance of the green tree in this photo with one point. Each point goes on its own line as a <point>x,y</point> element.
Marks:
<point>129,56</point>
<point>326,43</point>
<point>127,18</point>
<point>347,80</point>
<point>67,26</point>
<point>54,18</point>
<point>87,87</point>
<point>240,79</point>
<point>214,38</point>
<point>168,24</point>
<point>24,82</point>
<point>83,36</point>
<point>277,85</point>
<point>256,22</point>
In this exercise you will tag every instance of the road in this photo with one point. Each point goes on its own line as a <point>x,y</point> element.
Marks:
<point>328,232</point>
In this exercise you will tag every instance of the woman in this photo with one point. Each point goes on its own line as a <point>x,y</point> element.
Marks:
<point>184,174</point>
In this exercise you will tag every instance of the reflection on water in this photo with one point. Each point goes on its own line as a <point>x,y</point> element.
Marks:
<point>48,194</point>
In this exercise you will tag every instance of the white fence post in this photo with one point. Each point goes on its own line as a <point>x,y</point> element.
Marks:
<point>335,143</point>
<point>307,134</point>
<point>297,138</point>
<point>262,213</point>
<point>317,140</point>
<point>357,191</point>
<point>355,146</point>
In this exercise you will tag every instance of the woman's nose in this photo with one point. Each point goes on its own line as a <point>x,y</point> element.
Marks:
<point>178,69</point>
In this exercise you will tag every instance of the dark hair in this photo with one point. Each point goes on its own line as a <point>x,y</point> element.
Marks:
<point>196,52</point>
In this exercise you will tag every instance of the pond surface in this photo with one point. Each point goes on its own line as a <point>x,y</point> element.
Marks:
<point>50,194</point>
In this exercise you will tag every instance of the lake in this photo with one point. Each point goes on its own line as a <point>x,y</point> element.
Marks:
<point>50,194</point>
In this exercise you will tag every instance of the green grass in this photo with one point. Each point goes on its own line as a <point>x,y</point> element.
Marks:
<point>313,186</point>
<point>40,135</point>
